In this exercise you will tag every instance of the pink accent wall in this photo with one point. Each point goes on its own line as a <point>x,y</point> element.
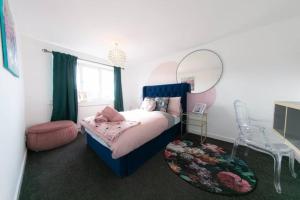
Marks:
<point>207,97</point>
<point>166,73</point>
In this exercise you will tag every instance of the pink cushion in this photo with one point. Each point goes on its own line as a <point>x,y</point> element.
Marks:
<point>111,114</point>
<point>50,135</point>
<point>100,118</point>
<point>174,107</point>
<point>148,104</point>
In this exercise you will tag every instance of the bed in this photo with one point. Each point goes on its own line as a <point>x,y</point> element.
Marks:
<point>127,164</point>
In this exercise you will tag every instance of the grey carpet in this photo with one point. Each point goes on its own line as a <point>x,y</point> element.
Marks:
<point>75,172</point>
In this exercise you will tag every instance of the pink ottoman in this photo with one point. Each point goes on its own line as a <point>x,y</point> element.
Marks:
<point>50,135</point>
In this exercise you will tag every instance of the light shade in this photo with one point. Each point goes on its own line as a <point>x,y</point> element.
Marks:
<point>117,57</point>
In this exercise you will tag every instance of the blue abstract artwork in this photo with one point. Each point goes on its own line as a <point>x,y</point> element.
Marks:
<point>8,38</point>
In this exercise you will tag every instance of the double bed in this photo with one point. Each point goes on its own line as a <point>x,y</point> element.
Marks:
<point>136,146</point>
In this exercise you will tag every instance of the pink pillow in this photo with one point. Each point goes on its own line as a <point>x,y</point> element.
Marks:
<point>111,114</point>
<point>148,104</point>
<point>100,118</point>
<point>174,107</point>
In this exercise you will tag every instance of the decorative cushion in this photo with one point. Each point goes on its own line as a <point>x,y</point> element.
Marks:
<point>50,135</point>
<point>111,114</point>
<point>174,106</point>
<point>148,104</point>
<point>100,118</point>
<point>161,103</point>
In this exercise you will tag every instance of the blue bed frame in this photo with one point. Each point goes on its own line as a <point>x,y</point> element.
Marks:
<point>127,164</point>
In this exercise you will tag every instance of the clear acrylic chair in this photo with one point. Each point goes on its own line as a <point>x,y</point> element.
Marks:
<point>253,135</point>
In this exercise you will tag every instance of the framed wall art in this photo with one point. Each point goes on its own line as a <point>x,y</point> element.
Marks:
<point>190,80</point>
<point>199,108</point>
<point>8,38</point>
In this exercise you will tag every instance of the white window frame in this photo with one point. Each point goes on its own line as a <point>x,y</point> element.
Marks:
<point>100,68</point>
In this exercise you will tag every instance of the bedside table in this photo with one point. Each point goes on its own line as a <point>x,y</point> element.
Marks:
<point>199,121</point>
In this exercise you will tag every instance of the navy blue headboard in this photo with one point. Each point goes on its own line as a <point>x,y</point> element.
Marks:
<point>169,90</point>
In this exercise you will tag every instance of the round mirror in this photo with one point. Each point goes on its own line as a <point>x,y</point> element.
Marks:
<point>201,68</point>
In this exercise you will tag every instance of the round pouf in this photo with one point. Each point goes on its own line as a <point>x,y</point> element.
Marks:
<point>208,167</point>
<point>50,135</point>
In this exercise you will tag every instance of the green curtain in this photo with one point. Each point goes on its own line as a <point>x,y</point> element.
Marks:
<point>118,103</point>
<point>65,102</point>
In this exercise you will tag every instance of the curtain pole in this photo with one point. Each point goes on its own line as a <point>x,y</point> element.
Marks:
<point>91,61</point>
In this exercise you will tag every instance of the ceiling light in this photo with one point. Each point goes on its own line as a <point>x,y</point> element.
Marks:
<point>117,57</point>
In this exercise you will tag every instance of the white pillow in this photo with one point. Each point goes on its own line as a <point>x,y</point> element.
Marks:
<point>148,104</point>
<point>174,107</point>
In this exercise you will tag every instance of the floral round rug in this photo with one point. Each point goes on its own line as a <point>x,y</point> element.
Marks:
<point>208,167</point>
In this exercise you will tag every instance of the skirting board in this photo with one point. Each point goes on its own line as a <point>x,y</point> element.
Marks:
<point>20,179</point>
<point>231,140</point>
<point>220,137</point>
<point>213,135</point>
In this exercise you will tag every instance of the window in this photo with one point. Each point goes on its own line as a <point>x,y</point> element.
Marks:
<point>95,83</point>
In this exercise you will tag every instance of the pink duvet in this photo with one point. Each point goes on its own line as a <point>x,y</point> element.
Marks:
<point>151,125</point>
<point>107,131</point>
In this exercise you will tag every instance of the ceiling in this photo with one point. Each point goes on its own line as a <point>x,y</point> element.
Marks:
<point>144,29</point>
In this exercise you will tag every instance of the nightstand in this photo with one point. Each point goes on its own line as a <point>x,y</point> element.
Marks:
<point>196,120</point>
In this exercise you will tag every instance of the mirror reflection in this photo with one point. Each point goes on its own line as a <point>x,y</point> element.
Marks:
<point>201,68</point>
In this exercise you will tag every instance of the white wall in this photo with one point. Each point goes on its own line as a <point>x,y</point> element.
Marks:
<point>38,80</point>
<point>12,132</point>
<point>260,67</point>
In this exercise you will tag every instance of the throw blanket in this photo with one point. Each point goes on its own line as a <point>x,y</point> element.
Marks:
<point>107,131</point>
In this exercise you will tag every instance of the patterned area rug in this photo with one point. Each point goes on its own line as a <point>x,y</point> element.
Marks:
<point>208,167</point>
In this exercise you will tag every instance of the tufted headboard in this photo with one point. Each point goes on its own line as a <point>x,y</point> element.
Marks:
<point>169,90</point>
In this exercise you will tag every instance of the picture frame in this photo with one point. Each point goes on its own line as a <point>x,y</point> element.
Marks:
<point>8,39</point>
<point>190,80</point>
<point>199,108</point>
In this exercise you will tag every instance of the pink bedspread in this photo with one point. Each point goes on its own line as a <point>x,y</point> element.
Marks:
<point>151,125</point>
<point>108,131</point>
